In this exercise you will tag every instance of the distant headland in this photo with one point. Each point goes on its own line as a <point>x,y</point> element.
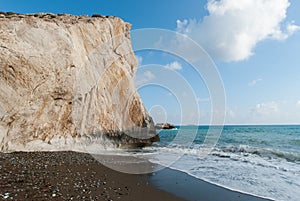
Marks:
<point>164,126</point>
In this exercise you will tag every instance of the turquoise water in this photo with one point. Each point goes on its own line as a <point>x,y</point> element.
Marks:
<point>281,141</point>
<point>260,160</point>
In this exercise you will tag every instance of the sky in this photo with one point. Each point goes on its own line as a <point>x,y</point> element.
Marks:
<point>253,45</point>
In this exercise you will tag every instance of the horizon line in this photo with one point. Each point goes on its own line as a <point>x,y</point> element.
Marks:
<point>283,124</point>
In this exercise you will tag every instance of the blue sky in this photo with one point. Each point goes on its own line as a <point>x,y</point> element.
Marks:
<point>255,45</point>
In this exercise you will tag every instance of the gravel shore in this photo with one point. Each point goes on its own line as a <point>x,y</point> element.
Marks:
<point>70,176</point>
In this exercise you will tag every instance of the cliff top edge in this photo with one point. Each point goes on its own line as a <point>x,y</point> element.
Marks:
<point>54,17</point>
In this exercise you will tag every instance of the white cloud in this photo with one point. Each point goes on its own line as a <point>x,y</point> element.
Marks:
<point>139,59</point>
<point>233,28</point>
<point>147,76</point>
<point>266,109</point>
<point>272,112</point>
<point>174,66</point>
<point>298,104</point>
<point>292,28</point>
<point>231,113</point>
<point>254,82</point>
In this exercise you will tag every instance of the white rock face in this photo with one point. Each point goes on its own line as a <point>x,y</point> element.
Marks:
<point>66,81</point>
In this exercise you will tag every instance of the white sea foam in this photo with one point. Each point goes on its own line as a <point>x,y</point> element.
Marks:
<point>243,171</point>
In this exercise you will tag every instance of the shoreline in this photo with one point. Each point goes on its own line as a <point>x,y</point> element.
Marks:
<point>73,175</point>
<point>191,188</point>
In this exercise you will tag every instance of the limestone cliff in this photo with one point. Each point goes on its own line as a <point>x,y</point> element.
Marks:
<point>67,80</point>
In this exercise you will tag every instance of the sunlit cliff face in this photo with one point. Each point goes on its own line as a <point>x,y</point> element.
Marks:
<point>66,80</point>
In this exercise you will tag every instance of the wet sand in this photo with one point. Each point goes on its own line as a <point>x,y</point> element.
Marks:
<point>193,189</point>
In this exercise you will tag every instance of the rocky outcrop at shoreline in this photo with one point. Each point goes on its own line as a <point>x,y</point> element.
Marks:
<point>164,126</point>
<point>68,80</point>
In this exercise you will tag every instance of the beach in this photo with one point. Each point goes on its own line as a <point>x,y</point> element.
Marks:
<point>193,189</point>
<point>70,176</point>
<point>79,176</point>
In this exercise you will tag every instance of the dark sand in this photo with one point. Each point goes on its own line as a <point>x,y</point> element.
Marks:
<point>70,176</point>
<point>78,176</point>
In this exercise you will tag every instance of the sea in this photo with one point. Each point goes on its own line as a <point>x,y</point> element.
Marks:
<point>259,160</point>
